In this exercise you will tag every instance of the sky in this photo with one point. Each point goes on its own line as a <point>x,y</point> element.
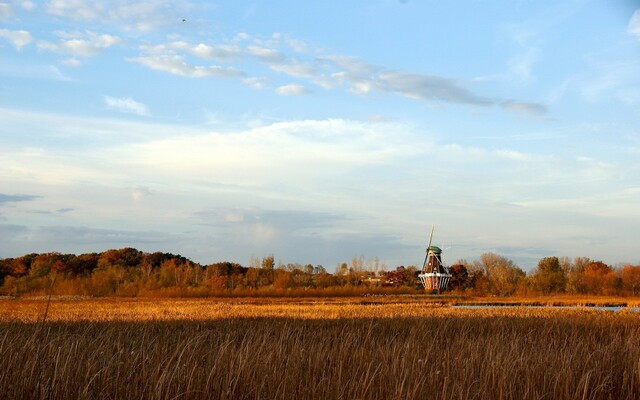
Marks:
<point>321,131</point>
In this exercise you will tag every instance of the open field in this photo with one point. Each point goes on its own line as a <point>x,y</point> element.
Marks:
<point>391,348</point>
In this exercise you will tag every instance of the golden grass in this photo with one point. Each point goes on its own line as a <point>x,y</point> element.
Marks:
<point>324,349</point>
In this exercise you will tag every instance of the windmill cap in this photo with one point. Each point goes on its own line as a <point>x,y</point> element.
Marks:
<point>434,249</point>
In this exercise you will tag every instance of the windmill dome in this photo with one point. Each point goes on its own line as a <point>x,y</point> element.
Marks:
<point>435,250</point>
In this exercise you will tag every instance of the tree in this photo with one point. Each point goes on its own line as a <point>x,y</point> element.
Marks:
<point>459,277</point>
<point>396,277</point>
<point>549,277</point>
<point>594,277</point>
<point>503,276</point>
<point>631,279</point>
<point>411,276</point>
<point>574,282</point>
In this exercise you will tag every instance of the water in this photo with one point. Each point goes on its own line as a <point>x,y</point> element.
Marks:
<point>602,308</point>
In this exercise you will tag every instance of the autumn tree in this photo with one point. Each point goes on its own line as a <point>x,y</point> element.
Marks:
<point>503,276</point>
<point>631,279</point>
<point>594,277</point>
<point>459,277</point>
<point>574,282</point>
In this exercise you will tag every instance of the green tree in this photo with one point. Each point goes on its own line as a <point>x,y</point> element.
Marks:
<point>549,277</point>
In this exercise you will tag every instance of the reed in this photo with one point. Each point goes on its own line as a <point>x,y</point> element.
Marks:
<point>315,350</point>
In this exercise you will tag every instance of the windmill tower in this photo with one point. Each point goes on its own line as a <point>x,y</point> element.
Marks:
<point>435,276</point>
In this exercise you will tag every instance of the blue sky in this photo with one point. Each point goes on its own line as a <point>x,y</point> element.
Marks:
<point>321,131</point>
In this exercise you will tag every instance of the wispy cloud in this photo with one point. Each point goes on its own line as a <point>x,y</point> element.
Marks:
<point>177,65</point>
<point>10,198</point>
<point>327,71</point>
<point>256,82</point>
<point>292,89</point>
<point>634,24</point>
<point>219,52</point>
<point>71,62</point>
<point>80,44</point>
<point>46,72</point>
<point>18,39</point>
<point>425,87</point>
<point>126,105</point>
<point>266,54</point>
<point>141,16</point>
<point>520,67</point>
<point>619,81</point>
<point>528,108</point>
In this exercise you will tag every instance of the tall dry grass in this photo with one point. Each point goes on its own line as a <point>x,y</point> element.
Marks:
<point>281,351</point>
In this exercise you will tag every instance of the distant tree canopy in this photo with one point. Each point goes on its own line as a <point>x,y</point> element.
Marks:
<point>130,272</point>
<point>549,277</point>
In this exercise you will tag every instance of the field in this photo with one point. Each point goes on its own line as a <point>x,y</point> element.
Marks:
<point>392,348</point>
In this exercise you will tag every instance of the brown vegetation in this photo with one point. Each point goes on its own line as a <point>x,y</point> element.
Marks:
<point>131,273</point>
<point>197,349</point>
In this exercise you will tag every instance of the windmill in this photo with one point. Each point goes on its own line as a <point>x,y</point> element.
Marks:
<point>435,276</point>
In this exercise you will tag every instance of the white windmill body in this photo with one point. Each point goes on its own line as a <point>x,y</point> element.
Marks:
<point>435,276</point>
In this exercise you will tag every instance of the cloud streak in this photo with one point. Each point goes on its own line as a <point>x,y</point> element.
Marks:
<point>328,71</point>
<point>12,198</point>
<point>177,65</point>
<point>424,87</point>
<point>532,109</point>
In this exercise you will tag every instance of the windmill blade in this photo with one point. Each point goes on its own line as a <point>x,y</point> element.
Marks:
<point>426,257</point>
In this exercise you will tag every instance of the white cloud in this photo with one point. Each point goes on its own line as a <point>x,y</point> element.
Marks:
<point>28,5</point>
<point>298,46</point>
<point>265,54</point>
<point>256,82</point>
<point>76,9</point>
<point>323,167</point>
<point>80,45</point>
<point>176,65</point>
<point>140,15</point>
<point>352,65</point>
<point>126,105</point>
<point>5,10</point>
<point>634,24</point>
<point>297,69</point>
<point>327,71</point>
<point>292,89</point>
<point>18,39</point>
<point>71,62</point>
<point>248,157</point>
<point>218,52</point>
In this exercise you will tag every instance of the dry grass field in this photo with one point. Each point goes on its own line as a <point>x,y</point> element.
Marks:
<point>400,348</point>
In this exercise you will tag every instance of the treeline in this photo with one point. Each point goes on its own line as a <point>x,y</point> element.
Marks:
<point>132,273</point>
